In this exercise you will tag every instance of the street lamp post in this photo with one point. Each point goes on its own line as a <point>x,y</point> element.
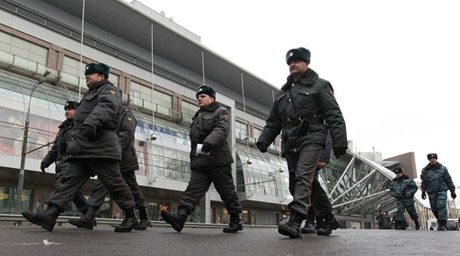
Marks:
<point>24,145</point>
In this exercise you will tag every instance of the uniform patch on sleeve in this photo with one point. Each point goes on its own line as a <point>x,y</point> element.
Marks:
<point>331,91</point>
<point>226,117</point>
<point>130,119</point>
<point>112,92</point>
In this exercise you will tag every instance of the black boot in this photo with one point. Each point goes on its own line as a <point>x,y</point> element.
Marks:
<point>86,221</point>
<point>46,219</point>
<point>84,210</point>
<point>328,224</point>
<point>292,228</point>
<point>144,221</point>
<point>401,225</point>
<point>129,222</point>
<point>235,224</point>
<point>417,224</point>
<point>442,225</point>
<point>309,227</point>
<point>176,220</point>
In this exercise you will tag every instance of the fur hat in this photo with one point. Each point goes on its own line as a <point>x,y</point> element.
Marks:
<point>70,105</point>
<point>399,170</point>
<point>99,68</point>
<point>298,54</point>
<point>206,89</point>
<point>432,155</point>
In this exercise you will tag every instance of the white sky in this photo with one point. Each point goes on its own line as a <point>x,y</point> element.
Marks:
<point>393,64</point>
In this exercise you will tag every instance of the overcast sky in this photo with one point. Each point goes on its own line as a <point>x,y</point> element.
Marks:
<point>394,65</point>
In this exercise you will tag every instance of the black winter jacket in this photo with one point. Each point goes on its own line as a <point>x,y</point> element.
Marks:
<point>58,152</point>
<point>436,178</point>
<point>126,130</point>
<point>315,103</point>
<point>98,111</point>
<point>210,125</point>
<point>403,188</point>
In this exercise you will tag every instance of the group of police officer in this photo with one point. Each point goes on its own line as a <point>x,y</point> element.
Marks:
<point>97,138</point>
<point>436,180</point>
<point>94,142</point>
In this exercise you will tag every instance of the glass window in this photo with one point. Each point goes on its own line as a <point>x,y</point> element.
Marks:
<point>163,103</point>
<point>256,133</point>
<point>8,200</point>
<point>241,130</point>
<point>71,66</point>
<point>141,95</point>
<point>70,73</point>
<point>21,53</point>
<point>184,166</point>
<point>23,48</point>
<point>114,79</point>
<point>188,111</point>
<point>171,163</point>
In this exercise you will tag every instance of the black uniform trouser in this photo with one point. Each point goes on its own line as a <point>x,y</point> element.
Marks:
<point>319,199</point>
<point>98,196</point>
<point>80,170</point>
<point>402,205</point>
<point>79,199</point>
<point>199,183</point>
<point>321,205</point>
<point>302,169</point>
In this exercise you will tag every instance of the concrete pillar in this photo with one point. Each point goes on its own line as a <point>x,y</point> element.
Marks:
<point>205,208</point>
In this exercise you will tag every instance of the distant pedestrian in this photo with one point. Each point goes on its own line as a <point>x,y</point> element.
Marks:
<point>436,181</point>
<point>387,220</point>
<point>403,189</point>
<point>381,219</point>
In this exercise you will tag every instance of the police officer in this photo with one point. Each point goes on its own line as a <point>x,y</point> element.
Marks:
<point>403,189</point>
<point>58,153</point>
<point>301,110</point>
<point>436,181</point>
<point>126,129</point>
<point>94,150</point>
<point>210,160</point>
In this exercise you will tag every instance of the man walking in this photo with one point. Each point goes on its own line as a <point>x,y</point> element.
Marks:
<point>436,181</point>
<point>210,160</point>
<point>93,150</point>
<point>126,129</point>
<point>403,189</point>
<point>304,109</point>
<point>58,153</point>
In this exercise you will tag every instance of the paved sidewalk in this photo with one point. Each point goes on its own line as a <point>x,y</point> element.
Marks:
<point>68,240</point>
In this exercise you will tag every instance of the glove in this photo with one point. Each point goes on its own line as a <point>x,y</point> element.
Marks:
<point>206,148</point>
<point>262,147</point>
<point>339,151</point>
<point>43,166</point>
<point>322,164</point>
<point>423,195</point>
<point>88,132</point>
<point>453,195</point>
